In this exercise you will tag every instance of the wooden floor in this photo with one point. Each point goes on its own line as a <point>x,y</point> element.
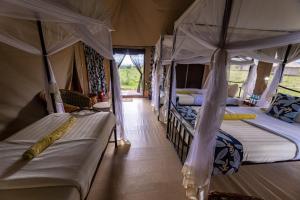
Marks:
<point>149,169</point>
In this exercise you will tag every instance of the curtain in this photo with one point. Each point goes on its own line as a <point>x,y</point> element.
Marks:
<point>199,163</point>
<point>96,74</point>
<point>138,61</point>
<point>249,84</point>
<point>118,57</point>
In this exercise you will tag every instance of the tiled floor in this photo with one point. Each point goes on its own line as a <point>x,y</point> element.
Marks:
<point>149,169</point>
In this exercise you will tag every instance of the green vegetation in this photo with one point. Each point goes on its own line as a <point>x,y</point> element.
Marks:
<point>289,81</point>
<point>129,77</point>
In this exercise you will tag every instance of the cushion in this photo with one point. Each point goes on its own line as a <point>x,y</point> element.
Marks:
<point>232,90</point>
<point>49,139</point>
<point>70,108</point>
<point>285,107</point>
<point>237,116</point>
<point>183,92</point>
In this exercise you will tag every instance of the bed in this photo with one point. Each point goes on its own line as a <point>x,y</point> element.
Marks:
<point>193,96</point>
<point>264,139</point>
<point>65,170</point>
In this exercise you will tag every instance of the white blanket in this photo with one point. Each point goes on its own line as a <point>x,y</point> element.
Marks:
<point>290,131</point>
<point>70,161</point>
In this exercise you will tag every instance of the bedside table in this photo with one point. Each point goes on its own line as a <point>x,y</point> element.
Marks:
<point>102,106</point>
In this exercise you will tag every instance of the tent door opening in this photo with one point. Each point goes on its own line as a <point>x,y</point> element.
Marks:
<point>131,64</point>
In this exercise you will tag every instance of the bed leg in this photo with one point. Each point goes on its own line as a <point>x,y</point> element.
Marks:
<point>115,140</point>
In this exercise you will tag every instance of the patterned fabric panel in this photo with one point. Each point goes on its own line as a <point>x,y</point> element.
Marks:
<point>228,152</point>
<point>96,74</point>
<point>285,107</point>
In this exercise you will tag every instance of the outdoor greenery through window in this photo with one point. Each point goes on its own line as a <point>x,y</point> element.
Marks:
<point>291,79</point>
<point>130,76</point>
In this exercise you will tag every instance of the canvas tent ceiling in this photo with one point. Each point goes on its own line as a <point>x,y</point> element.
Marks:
<point>140,23</point>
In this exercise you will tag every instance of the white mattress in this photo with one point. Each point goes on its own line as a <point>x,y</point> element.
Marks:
<point>70,162</point>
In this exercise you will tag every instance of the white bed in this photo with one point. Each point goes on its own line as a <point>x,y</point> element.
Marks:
<point>65,169</point>
<point>264,139</point>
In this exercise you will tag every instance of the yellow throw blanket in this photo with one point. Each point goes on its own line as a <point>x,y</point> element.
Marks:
<point>239,116</point>
<point>49,139</point>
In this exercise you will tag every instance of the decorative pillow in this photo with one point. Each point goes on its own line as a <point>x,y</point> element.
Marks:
<point>285,107</point>
<point>70,108</point>
<point>232,90</point>
<point>184,92</point>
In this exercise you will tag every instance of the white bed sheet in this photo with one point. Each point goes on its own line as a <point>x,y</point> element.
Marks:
<point>69,162</point>
<point>290,131</point>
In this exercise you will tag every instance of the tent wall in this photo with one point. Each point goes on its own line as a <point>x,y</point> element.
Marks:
<point>189,75</point>
<point>263,70</point>
<point>21,79</point>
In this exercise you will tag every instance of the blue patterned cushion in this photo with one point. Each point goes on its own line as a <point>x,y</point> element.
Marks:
<point>285,107</point>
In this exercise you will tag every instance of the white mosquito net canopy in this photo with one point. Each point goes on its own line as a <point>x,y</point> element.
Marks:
<point>62,24</point>
<point>215,31</point>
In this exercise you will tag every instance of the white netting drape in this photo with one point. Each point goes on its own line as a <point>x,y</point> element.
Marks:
<point>249,84</point>
<point>198,35</point>
<point>197,169</point>
<point>166,96</point>
<point>155,85</point>
<point>138,61</point>
<point>118,101</point>
<point>52,88</point>
<point>270,91</point>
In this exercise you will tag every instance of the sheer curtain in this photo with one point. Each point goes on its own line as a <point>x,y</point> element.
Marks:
<point>52,88</point>
<point>249,84</point>
<point>118,57</point>
<point>118,101</point>
<point>198,165</point>
<point>138,61</point>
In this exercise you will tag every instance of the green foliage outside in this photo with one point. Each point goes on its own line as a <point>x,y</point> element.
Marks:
<point>289,81</point>
<point>129,77</point>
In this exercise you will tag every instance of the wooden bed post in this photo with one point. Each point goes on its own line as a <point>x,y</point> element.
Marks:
<point>45,60</point>
<point>113,97</point>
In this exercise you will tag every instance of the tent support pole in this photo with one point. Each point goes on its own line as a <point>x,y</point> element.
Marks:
<point>225,23</point>
<point>170,96</point>
<point>287,52</point>
<point>113,97</point>
<point>45,61</point>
